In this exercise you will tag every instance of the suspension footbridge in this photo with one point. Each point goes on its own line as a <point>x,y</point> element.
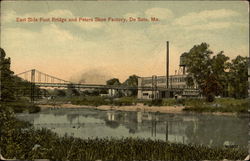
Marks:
<point>41,79</point>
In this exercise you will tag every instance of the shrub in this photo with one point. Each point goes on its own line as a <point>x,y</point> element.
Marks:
<point>125,101</point>
<point>34,109</point>
<point>219,105</point>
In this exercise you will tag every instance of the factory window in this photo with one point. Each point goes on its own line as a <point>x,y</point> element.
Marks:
<point>145,94</point>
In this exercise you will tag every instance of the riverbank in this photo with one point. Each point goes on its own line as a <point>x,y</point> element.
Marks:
<point>138,107</point>
<point>220,106</point>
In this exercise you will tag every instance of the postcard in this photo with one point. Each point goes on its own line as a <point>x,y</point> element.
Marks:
<point>124,80</point>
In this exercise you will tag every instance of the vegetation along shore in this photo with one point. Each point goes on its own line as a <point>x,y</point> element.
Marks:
<point>227,106</point>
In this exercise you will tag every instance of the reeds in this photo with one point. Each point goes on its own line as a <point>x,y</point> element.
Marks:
<point>68,148</point>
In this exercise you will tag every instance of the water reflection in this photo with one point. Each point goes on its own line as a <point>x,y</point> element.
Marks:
<point>184,128</point>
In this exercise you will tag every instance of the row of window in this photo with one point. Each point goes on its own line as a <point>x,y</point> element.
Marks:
<point>163,80</point>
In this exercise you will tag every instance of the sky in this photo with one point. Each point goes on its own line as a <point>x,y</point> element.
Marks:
<point>95,51</point>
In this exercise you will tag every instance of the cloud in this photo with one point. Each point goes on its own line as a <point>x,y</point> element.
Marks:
<point>161,13</point>
<point>56,34</point>
<point>215,14</point>
<point>60,13</point>
<point>210,26</point>
<point>204,16</point>
<point>134,14</point>
<point>50,41</point>
<point>207,20</point>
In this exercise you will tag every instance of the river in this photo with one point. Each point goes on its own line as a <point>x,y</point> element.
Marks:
<point>209,130</point>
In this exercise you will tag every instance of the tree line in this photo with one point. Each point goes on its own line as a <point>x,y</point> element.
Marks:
<point>216,74</point>
<point>12,87</point>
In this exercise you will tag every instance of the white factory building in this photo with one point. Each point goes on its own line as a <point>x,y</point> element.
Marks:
<point>177,87</point>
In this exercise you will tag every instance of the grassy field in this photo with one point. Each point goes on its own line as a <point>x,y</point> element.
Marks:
<point>98,100</point>
<point>219,105</point>
<point>191,104</point>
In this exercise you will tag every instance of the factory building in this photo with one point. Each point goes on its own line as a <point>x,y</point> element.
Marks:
<point>168,86</point>
<point>177,87</point>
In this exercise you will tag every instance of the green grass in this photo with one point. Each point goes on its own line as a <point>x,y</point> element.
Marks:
<point>90,101</point>
<point>200,105</point>
<point>157,102</point>
<point>68,148</point>
<point>98,101</point>
<point>219,105</point>
<point>21,145</point>
<point>191,104</point>
<point>125,101</point>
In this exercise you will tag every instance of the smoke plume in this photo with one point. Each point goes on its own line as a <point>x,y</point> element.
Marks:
<point>92,76</point>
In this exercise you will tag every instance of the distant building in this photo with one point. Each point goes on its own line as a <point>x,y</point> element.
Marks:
<point>177,86</point>
<point>113,93</point>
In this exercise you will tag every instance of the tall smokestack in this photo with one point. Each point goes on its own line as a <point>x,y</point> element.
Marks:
<point>167,65</point>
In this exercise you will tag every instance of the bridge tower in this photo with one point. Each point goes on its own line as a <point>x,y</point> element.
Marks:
<point>33,74</point>
<point>32,85</point>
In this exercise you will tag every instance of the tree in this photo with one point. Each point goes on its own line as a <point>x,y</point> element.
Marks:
<point>60,92</point>
<point>113,81</point>
<point>210,87</point>
<point>6,78</point>
<point>220,65</point>
<point>208,73</point>
<point>132,81</point>
<point>238,83</point>
<point>72,91</point>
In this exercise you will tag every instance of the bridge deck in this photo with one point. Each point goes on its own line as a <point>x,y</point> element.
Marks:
<point>99,86</point>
